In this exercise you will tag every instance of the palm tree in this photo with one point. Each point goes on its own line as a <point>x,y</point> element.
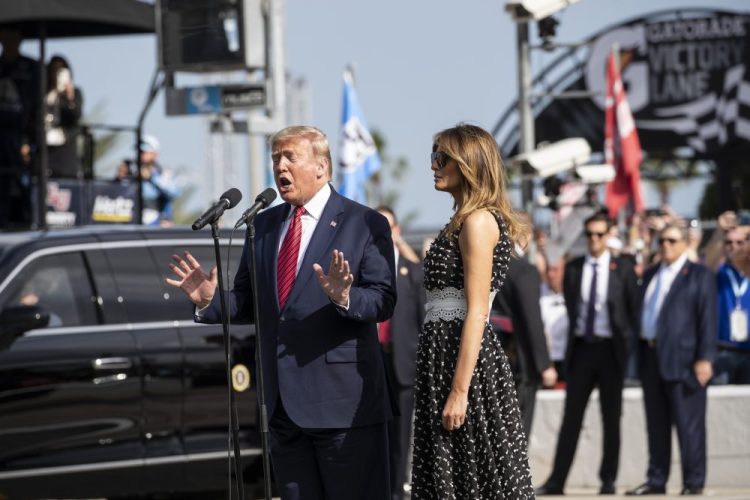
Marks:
<point>395,170</point>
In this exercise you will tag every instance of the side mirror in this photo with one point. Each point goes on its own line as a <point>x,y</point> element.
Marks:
<point>16,320</point>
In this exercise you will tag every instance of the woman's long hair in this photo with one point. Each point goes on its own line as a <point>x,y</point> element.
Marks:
<point>482,176</point>
<point>52,75</point>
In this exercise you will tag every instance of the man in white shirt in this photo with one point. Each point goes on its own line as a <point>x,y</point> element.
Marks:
<point>555,315</point>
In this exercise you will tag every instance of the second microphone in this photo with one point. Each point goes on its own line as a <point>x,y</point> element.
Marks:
<point>228,200</point>
<point>261,201</point>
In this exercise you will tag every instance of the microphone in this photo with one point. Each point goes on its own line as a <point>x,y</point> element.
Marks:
<point>261,201</point>
<point>228,200</point>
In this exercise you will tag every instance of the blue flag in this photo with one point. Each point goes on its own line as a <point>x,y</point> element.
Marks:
<point>358,156</point>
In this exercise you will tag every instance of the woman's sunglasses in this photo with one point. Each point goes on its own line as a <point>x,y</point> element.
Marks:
<point>592,234</point>
<point>440,158</point>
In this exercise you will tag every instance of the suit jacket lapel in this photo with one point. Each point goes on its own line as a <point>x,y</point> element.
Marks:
<point>677,284</point>
<point>320,245</point>
<point>269,250</point>
<point>613,278</point>
<point>577,280</point>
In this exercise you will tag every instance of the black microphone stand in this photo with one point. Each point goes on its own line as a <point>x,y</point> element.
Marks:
<point>234,421</point>
<point>260,387</point>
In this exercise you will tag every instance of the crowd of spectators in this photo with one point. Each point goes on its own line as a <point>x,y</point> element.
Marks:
<point>61,110</point>
<point>20,107</point>
<point>720,251</point>
<point>689,329</point>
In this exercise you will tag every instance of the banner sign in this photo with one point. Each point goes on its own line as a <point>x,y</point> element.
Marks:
<point>72,202</point>
<point>112,202</point>
<point>66,202</point>
<point>214,99</point>
<point>687,78</point>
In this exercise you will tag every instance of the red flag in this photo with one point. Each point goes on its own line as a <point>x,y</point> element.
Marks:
<point>622,149</point>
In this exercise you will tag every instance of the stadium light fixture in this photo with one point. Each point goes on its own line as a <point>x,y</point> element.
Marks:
<point>553,159</point>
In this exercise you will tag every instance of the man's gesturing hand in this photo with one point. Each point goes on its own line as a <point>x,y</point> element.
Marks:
<point>197,285</point>
<point>337,283</point>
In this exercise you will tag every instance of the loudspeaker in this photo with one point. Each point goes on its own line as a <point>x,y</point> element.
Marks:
<point>210,35</point>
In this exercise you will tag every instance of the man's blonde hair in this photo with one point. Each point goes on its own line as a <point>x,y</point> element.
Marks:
<point>317,139</point>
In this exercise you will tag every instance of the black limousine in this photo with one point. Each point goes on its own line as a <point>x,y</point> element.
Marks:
<point>107,386</point>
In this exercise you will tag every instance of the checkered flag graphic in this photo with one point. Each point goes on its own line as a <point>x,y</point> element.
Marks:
<point>711,121</point>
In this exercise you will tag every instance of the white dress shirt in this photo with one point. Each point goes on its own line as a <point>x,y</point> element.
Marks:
<point>666,273</point>
<point>313,211</point>
<point>601,321</point>
<point>555,319</point>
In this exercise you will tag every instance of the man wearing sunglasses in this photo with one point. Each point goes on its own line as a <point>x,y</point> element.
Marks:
<point>600,293</point>
<point>676,349</point>
<point>733,356</point>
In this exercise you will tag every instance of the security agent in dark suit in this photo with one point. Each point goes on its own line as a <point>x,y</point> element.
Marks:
<point>677,344</point>
<point>518,300</point>
<point>326,392</point>
<point>399,338</point>
<point>601,298</point>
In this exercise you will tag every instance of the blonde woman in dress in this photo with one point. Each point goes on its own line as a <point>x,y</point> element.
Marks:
<point>469,441</point>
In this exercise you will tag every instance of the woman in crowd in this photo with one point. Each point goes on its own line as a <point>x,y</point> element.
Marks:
<point>469,440</point>
<point>62,111</point>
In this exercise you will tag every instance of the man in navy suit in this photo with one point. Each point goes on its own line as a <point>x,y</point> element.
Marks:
<point>676,348</point>
<point>326,392</point>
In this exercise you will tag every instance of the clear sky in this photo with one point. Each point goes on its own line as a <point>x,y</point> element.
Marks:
<point>421,66</point>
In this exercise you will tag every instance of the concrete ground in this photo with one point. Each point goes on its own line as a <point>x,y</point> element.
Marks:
<point>728,442</point>
<point>672,493</point>
<point>588,493</point>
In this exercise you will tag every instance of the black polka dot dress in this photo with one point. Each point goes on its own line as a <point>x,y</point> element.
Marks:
<point>486,457</point>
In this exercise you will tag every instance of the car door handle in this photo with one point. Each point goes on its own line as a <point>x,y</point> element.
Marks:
<point>112,363</point>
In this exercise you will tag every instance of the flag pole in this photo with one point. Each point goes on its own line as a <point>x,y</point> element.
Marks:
<point>621,214</point>
<point>349,71</point>
<point>616,55</point>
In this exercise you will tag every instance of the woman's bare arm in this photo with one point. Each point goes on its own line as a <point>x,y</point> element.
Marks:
<point>477,242</point>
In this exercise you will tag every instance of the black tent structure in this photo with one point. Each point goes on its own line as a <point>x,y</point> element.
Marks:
<point>78,18</point>
<point>45,19</point>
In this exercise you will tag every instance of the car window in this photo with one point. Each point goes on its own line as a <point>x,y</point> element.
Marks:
<point>205,255</point>
<point>140,288</point>
<point>112,309</point>
<point>60,285</point>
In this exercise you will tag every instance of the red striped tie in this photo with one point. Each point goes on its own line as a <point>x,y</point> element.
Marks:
<point>286,269</point>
